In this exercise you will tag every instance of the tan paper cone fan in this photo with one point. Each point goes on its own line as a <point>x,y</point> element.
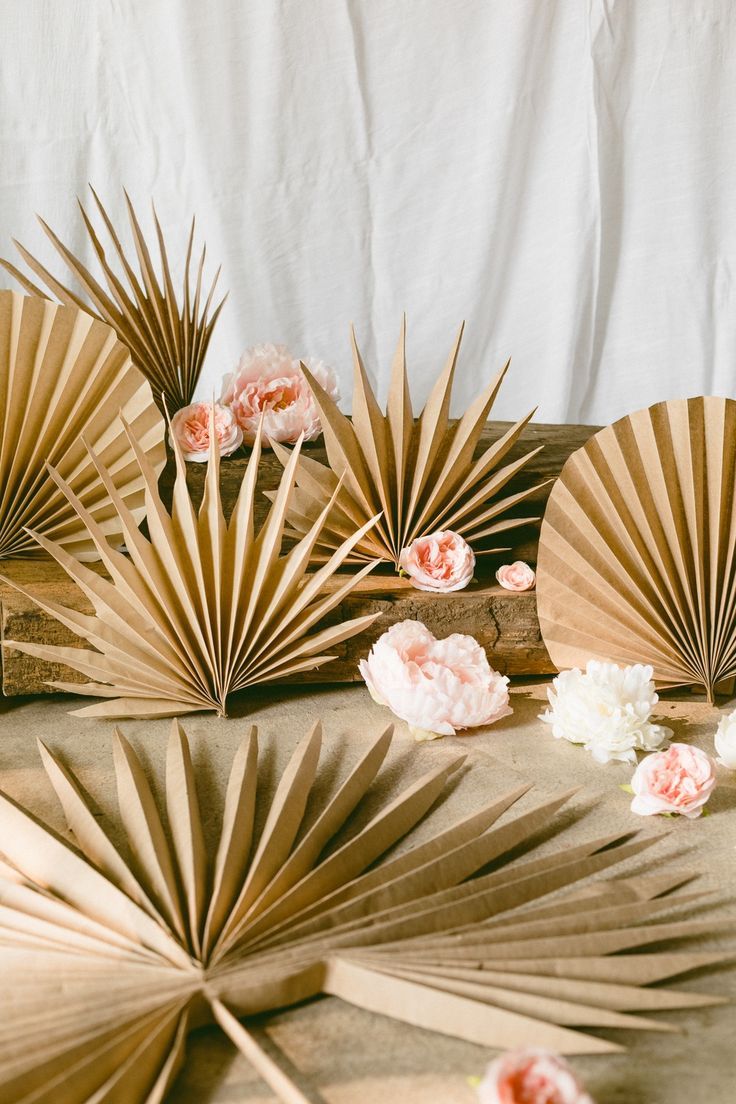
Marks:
<point>419,475</point>
<point>201,609</point>
<point>167,339</point>
<point>637,549</point>
<point>65,377</point>
<point>108,959</point>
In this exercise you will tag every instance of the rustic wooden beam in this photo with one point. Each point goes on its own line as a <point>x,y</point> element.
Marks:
<point>505,623</point>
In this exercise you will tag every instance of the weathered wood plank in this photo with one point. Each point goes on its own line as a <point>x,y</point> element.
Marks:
<point>506,624</point>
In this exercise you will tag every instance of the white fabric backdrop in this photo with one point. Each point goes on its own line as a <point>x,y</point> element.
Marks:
<point>560,174</point>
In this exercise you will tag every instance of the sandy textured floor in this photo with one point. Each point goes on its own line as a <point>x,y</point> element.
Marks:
<point>345,1056</point>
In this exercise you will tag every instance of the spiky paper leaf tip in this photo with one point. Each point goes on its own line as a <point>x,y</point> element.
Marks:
<point>421,474</point>
<point>202,607</point>
<point>109,958</point>
<point>168,340</point>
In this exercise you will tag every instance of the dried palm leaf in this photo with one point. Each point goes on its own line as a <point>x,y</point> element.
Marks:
<point>637,553</point>
<point>202,608</point>
<point>168,342</point>
<point>420,475</point>
<point>64,377</point>
<point>108,961</point>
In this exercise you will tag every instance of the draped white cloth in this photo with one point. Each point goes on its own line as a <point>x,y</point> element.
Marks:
<point>560,173</point>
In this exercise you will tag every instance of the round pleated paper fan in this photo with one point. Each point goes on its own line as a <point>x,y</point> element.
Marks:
<point>65,378</point>
<point>637,550</point>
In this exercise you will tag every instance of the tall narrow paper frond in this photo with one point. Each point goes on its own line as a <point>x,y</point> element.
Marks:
<point>420,475</point>
<point>200,608</point>
<point>63,376</point>
<point>108,959</point>
<point>167,338</point>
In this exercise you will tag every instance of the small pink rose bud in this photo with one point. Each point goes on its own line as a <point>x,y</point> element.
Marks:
<point>531,1077</point>
<point>441,561</point>
<point>516,576</point>
<point>191,428</point>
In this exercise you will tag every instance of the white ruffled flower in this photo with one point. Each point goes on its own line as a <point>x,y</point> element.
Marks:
<point>726,741</point>
<point>607,710</point>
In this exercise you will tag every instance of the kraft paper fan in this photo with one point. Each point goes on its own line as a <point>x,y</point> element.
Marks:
<point>167,338</point>
<point>637,549</point>
<point>201,608</point>
<point>109,958</point>
<point>420,475</point>
<point>64,377</point>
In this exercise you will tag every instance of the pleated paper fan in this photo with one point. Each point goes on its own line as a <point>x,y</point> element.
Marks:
<point>168,339</point>
<point>637,551</point>
<point>201,608</point>
<point>65,377</point>
<point>108,960</point>
<point>419,475</point>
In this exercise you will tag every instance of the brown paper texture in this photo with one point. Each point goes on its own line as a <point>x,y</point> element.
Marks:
<point>637,548</point>
<point>65,380</point>
<point>419,475</point>
<point>168,340</point>
<point>202,607</point>
<point>110,954</point>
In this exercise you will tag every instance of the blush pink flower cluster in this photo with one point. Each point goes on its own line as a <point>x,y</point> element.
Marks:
<point>269,382</point>
<point>191,428</point>
<point>441,561</point>
<point>678,780</point>
<point>437,686</point>
<point>516,576</point>
<point>531,1077</point>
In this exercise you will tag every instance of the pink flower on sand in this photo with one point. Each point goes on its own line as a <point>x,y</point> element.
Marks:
<point>516,576</point>
<point>678,780</point>
<point>269,381</point>
<point>190,427</point>
<point>441,561</point>
<point>436,686</point>
<point>531,1077</point>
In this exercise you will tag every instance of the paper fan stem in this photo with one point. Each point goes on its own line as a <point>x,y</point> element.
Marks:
<point>262,1062</point>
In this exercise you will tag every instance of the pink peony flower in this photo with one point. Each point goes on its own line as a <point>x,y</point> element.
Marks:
<point>531,1077</point>
<point>441,561</point>
<point>268,379</point>
<point>678,780</point>
<point>436,686</point>
<point>516,576</point>
<point>190,427</point>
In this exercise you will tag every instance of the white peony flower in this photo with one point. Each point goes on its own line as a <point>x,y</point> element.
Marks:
<point>726,741</point>
<point>607,710</point>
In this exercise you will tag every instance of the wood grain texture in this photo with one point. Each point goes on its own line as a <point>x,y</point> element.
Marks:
<point>506,624</point>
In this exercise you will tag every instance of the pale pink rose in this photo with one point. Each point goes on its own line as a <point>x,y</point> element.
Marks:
<point>441,561</point>
<point>436,686</point>
<point>678,780</point>
<point>269,381</point>
<point>516,576</point>
<point>531,1077</point>
<point>190,427</point>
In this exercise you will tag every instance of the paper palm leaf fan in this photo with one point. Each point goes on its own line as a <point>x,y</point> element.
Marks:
<point>167,339</point>
<point>108,959</point>
<point>64,377</point>
<point>637,549</point>
<point>419,475</point>
<point>201,608</point>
